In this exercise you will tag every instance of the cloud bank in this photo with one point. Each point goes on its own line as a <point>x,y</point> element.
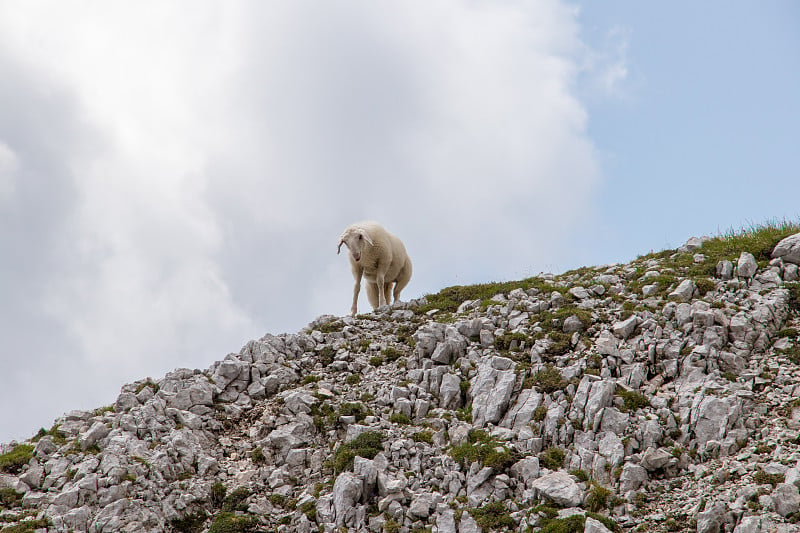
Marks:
<point>173,181</point>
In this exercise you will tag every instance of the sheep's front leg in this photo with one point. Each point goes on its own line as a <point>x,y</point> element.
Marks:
<point>379,280</point>
<point>356,290</point>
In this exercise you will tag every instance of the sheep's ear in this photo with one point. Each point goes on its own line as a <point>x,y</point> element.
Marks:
<point>366,238</point>
<point>339,248</point>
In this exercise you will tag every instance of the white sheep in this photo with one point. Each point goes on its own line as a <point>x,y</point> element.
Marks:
<point>380,258</point>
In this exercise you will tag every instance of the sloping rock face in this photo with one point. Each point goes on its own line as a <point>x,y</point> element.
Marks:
<point>662,393</point>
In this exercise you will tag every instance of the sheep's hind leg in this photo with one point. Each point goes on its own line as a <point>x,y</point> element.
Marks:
<point>387,293</point>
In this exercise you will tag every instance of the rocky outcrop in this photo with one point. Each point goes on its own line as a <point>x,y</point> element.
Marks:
<point>661,393</point>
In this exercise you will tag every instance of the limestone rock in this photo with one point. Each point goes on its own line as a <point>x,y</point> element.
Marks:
<point>788,249</point>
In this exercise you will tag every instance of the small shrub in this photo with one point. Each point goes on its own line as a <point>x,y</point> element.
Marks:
<point>376,360</point>
<point>28,526</point>
<point>704,285</point>
<point>552,458</point>
<point>570,524</point>
<point>560,343</point>
<point>326,355</point>
<point>391,354</point>
<point>539,413</point>
<point>333,326</point>
<point>787,332</point>
<point>13,461</point>
<point>353,379</point>
<point>277,499</point>
<point>310,379</point>
<point>148,383</point>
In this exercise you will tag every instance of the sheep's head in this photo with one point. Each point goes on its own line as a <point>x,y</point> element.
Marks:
<point>355,238</point>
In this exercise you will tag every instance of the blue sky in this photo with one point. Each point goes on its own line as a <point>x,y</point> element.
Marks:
<point>704,133</point>
<point>173,182</point>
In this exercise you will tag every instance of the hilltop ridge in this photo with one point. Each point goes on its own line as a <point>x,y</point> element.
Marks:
<point>656,395</point>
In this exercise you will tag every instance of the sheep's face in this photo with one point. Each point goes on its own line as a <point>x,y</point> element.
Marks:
<point>355,239</point>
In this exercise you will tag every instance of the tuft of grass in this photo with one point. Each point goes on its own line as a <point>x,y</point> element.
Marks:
<point>10,498</point>
<point>217,494</point>
<point>13,461</point>
<point>423,436</point>
<point>400,418</point>
<point>762,478</point>
<point>598,498</point>
<point>448,299</point>
<point>484,448</point>
<point>191,523</point>
<point>632,400</point>
<point>148,383</point>
<point>353,379</point>
<point>28,526</point>
<point>235,501</point>
<point>367,445</point>
<point>548,379</point>
<point>228,522</point>
<point>552,458</point>
<point>58,437</point>
<point>355,409</point>
<point>494,517</point>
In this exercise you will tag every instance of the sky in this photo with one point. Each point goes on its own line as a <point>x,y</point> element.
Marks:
<point>174,180</point>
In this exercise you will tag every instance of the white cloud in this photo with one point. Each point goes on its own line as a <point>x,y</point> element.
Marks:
<point>8,168</point>
<point>238,140</point>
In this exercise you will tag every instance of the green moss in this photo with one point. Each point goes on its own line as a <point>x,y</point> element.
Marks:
<point>493,516</point>
<point>13,461</point>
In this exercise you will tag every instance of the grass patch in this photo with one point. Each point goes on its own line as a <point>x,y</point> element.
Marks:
<point>484,448</point>
<point>493,516</point>
<point>400,419</point>
<point>235,501</point>
<point>10,498</point>
<point>552,458</point>
<point>355,409</point>
<point>425,436</point>
<point>367,445</point>
<point>13,461</point>
<point>191,523</point>
<point>449,298</point>
<point>228,522</point>
<point>632,400</point>
<point>547,379</point>
<point>27,526</point>
<point>762,478</point>
<point>56,435</point>
<point>598,498</point>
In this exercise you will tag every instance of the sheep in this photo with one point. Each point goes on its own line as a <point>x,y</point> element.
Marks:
<point>380,258</point>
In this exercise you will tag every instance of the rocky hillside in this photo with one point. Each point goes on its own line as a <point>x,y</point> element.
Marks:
<point>659,395</point>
